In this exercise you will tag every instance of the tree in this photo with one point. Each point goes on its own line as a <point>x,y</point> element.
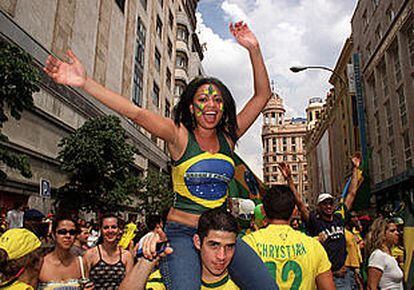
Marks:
<point>156,192</point>
<point>18,81</point>
<point>100,162</point>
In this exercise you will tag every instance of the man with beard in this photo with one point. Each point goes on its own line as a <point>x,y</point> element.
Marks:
<point>328,222</point>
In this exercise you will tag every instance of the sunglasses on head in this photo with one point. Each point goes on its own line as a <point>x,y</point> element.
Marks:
<point>64,232</point>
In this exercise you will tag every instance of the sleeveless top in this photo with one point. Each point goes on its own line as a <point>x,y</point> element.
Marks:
<point>71,284</point>
<point>105,275</point>
<point>200,179</point>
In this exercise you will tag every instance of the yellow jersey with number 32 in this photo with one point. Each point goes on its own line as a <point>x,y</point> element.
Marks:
<point>292,258</point>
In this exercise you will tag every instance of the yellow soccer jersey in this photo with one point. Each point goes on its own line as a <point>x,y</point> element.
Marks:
<point>155,283</point>
<point>293,258</point>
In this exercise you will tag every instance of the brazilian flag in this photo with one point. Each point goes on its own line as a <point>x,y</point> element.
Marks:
<point>245,183</point>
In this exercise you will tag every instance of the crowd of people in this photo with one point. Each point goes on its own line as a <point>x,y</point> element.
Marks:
<point>200,244</point>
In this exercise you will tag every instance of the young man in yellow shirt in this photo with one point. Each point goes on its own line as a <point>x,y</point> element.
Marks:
<point>294,259</point>
<point>215,240</point>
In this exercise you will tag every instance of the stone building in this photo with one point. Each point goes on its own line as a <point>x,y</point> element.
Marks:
<point>283,142</point>
<point>383,35</point>
<point>313,112</point>
<point>131,47</point>
<point>335,136</point>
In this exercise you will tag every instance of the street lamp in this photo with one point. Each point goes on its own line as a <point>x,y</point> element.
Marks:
<point>297,69</point>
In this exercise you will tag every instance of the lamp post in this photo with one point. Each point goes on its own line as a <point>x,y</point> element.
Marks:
<point>297,69</point>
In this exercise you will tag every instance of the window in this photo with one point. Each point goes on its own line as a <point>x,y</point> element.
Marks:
<point>170,19</point>
<point>293,140</point>
<point>181,60</point>
<point>384,77</point>
<point>144,4</point>
<point>378,33</point>
<point>167,112</point>
<point>373,91</point>
<point>121,4</point>
<point>170,48</point>
<point>407,150</point>
<point>293,148</point>
<point>294,157</point>
<point>365,19</point>
<point>377,127</point>
<point>158,27</point>
<point>285,158</point>
<point>390,14</point>
<point>179,87</point>
<point>388,115</point>
<point>155,95</point>
<point>157,60</point>
<point>397,64</point>
<point>182,33</point>
<point>410,42</point>
<point>402,105</point>
<point>137,87</point>
<point>168,79</point>
<point>393,160</point>
<point>294,168</point>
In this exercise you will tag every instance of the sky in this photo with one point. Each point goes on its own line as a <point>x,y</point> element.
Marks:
<point>291,33</point>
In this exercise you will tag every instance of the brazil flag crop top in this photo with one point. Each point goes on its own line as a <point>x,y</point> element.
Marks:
<point>200,178</point>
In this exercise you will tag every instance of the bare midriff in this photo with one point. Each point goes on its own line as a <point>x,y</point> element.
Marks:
<point>182,217</point>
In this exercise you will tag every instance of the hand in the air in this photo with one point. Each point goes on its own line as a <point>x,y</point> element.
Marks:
<point>244,35</point>
<point>70,73</point>
<point>149,247</point>
<point>285,170</point>
<point>356,159</point>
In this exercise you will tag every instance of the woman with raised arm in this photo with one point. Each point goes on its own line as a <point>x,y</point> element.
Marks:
<point>201,140</point>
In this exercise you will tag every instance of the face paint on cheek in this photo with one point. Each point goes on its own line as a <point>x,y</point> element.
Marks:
<point>200,108</point>
<point>222,107</point>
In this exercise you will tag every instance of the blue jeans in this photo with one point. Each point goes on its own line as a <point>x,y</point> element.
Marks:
<point>347,282</point>
<point>182,269</point>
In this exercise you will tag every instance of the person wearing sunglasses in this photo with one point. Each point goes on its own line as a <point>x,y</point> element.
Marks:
<point>61,269</point>
<point>108,263</point>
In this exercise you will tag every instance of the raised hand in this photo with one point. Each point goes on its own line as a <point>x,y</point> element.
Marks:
<point>244,35</point>
<point>285,170</point>
<point>70,73</point>
<point>356,159</point>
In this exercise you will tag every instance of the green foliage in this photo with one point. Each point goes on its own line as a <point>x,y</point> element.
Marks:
<point>18,81</point>
<point>156,192</point>
<point>99,159</point>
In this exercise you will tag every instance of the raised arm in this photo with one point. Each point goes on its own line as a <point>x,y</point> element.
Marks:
<point>262,91</point>
<point>353,187</point>
<point>73,73</point>
<point>287,174</point>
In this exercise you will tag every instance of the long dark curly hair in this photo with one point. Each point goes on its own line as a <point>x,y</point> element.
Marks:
<point>182,114</point>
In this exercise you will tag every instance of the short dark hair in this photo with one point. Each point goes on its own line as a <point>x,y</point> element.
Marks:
<point>182,114</point>
<point>216,219</point>
<point>108,216</point>
<point>152,220</point>
<point>60,218</point>
<point>279,202</point>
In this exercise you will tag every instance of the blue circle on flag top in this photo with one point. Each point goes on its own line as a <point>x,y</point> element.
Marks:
<point>209,178</point>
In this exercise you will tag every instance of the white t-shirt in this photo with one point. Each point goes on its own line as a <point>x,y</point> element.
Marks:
<point>392,275</point>
<point>15,218</point>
